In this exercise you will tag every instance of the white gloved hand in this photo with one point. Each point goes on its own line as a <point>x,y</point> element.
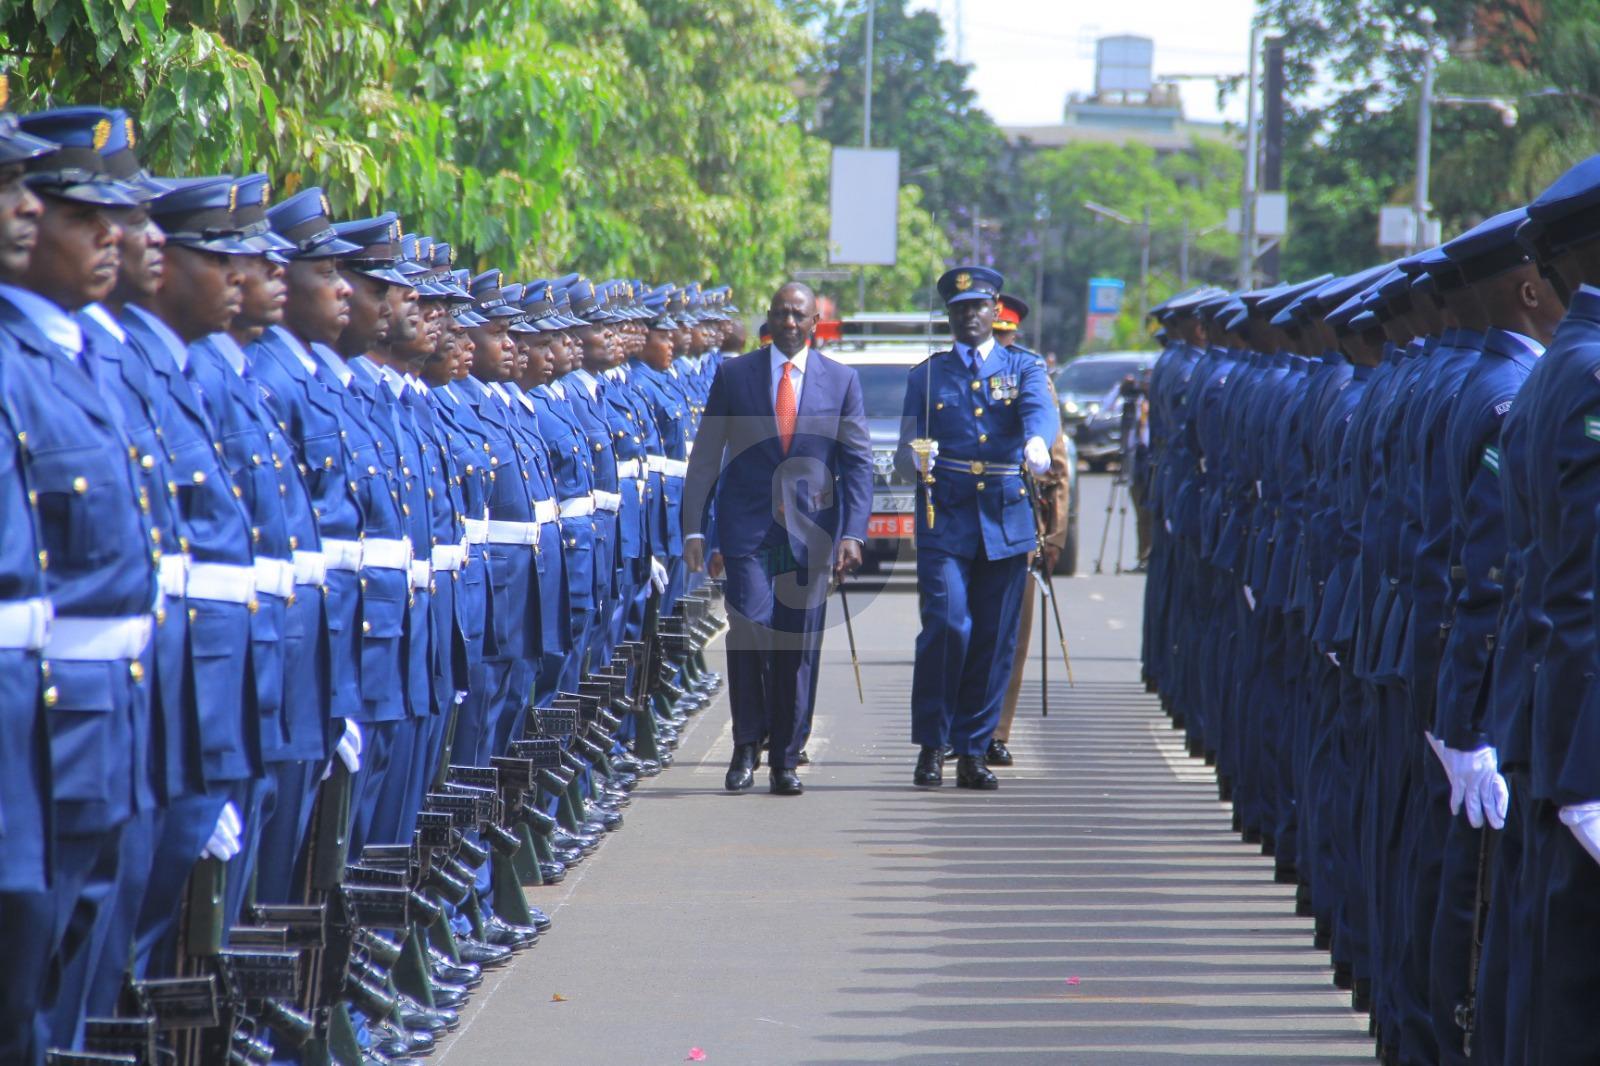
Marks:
<point>1037,456</point>
<point>1584,821</point>
<point>1249,596</point>
<point>1466,784</point>
<point>348,749</point>
<point>1444,757</point>
<point>224,842</point>
<point>658,575</point>
<point>1494,796</point>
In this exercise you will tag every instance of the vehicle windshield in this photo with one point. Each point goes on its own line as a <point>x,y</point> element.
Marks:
<point>1094,377</point>
<point>883,390</point>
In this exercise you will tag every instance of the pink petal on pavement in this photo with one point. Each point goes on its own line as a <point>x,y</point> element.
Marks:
<point>696,1055</point>
<point>1074,980</point>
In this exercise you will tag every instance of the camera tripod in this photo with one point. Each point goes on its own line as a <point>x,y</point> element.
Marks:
<point>1119,495</point>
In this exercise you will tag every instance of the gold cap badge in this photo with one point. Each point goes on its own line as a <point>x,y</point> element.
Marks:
<point>963,282</point>
<point>102,133</point>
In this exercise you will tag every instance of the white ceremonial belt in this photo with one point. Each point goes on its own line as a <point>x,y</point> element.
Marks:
<point>421,574</point>
<point>383,553</point>
<point>513,532</point>
<point>628,468</point>
<point>223,582</point>
<point>660,464</point>
<point>477,530</point>
<point>546,510</point>
<point>172,574</point>
<point>610,502</point>
<point>449,557</point>
<point>275,577</point>
<point>310,568</point>
<point>25,624</point>
<point>99,639</point>
<point>341,554</point>
<point>577,507</point>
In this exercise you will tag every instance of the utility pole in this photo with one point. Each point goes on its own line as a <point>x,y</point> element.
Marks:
<point>1247,207</point>
<point>1271,179</point>
<point>1144,265</point>
<point>977,234</point>
<point>1419,203</point>
<point>866,135</point>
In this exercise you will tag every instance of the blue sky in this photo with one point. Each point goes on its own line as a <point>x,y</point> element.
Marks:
<point>1029,54</point>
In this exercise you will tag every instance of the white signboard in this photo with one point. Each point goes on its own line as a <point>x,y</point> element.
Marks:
<point>1272,214</point>
<point>1395,227</point>
<point>864,198</point>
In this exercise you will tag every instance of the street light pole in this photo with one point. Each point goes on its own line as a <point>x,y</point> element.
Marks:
<point>1144,265</point>
<point>1419,205</point>
<point>866,135</point>
<point>1247,206</point>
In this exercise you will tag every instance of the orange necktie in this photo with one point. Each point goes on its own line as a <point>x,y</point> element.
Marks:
<point>785,408</point>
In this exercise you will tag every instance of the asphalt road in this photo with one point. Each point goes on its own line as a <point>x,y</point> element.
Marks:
<point>1096,910</point>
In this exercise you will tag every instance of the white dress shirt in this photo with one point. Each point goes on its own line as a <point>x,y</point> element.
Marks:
<point>797,376</point>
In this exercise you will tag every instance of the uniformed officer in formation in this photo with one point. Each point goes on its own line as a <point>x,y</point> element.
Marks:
<point>1371,606</point>
<point>976,419</point>
<point>341,597</point>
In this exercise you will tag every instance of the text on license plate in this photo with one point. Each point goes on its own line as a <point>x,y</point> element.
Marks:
<point>892,525</point>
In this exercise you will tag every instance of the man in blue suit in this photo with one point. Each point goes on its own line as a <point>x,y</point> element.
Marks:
<point>973,416</point>
<point>784,460</point>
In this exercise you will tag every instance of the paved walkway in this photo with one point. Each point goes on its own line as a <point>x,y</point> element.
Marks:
<point>1096,910</point>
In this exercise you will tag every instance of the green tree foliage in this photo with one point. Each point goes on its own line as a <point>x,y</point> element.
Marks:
<point>635,136</point>
<point>921,103</point>
<point>1352,151</point>
<point>1188,195</point>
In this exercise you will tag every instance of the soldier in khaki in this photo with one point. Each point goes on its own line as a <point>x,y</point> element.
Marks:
<point>1054,490</point>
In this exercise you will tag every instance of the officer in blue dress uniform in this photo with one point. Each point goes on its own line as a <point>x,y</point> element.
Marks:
<point>99,556</point>
<point>304,397</point>
<point>975,416</point>
<point>26,797</point>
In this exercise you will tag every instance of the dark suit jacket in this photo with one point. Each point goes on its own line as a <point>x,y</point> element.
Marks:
<point>818,493</point>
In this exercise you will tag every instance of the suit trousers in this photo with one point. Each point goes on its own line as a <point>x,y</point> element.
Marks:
<point>774,651</point>
<point>969,612</point>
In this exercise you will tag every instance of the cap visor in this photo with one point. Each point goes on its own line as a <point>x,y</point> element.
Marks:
<point>96,194</point>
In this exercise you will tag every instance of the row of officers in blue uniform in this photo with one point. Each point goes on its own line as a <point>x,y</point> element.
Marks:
<point>340,598</point>
<point>1371,605</point>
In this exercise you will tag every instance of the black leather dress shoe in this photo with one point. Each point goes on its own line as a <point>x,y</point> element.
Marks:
<point>419,1019</point>
<point>481,954</point>
<point>465,974</point>
<point>742,768</point>
<point>785,783</point>
<point>553,873</point>
<point>971,773</point>
<point>802,759</point>
<point>998,754</point>
<point>453,997</point>
<point>501,933</point>
<point>392,1042</point>
<point>541,920</point>
<point>930,768</point>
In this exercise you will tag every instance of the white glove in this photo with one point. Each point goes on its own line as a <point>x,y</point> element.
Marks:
<point>1249,596</point>
<point>224,842</point>
<point>1584,821</point>
<point>1466,783</point>
<point>348,749</point>
<point>658,575</point>
<point>1494,796</point>
<point>1037,456</point>
<point>1444,760</point>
